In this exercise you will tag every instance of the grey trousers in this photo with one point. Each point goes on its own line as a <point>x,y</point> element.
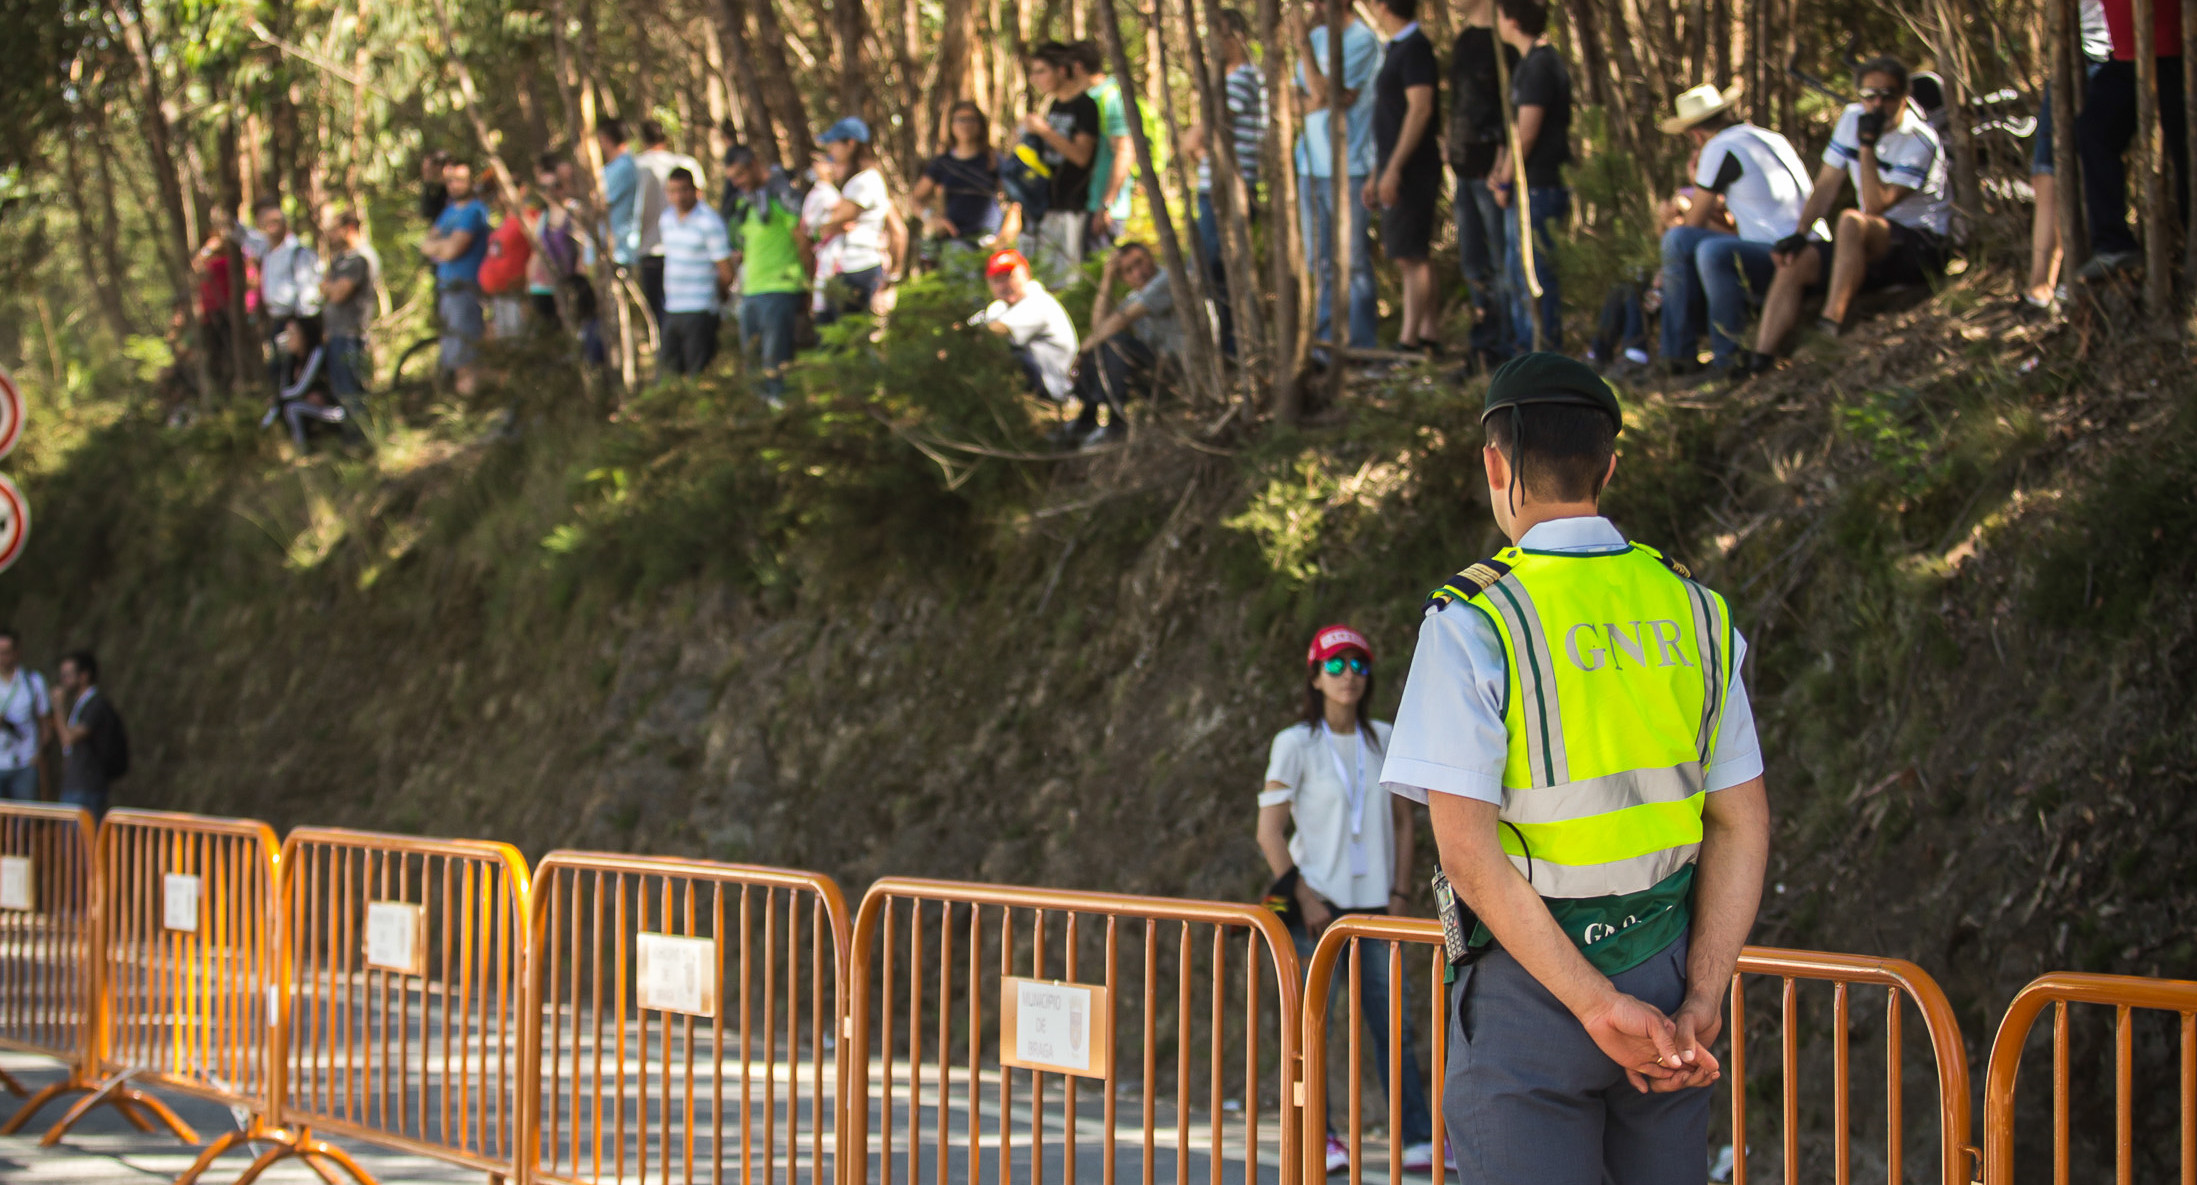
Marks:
<point>1529,1099</point>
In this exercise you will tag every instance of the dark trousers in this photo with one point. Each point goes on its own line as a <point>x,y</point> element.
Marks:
<point>1480,254</point>
<point>1546,212</point>
<point>690,341</point>
<point>1623,325</point>
<point>348,367</point>
<point>767,323</point>
<point>1119,369</point>
<point>850,294</point>
<point>2106,127</point>
<point>652,286</point>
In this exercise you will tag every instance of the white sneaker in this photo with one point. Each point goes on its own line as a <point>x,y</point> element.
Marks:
<point>1419,1158</point>
<point>1338,1155</point>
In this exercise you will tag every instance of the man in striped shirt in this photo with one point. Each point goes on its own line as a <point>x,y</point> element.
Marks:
<point>697,274</point>
<point>1247,118</point>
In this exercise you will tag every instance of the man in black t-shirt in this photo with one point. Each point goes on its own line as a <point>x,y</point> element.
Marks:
<point>1475,135</point>
<point>1407,180</point>
<point>1540,96</point>
<point>94,750</point>
<point>1066,136</point>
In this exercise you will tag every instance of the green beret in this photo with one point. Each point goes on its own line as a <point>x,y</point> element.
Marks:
<point>1550,378</point>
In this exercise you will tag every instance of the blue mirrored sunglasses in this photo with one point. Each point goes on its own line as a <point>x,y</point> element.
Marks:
<point>1356,664</point>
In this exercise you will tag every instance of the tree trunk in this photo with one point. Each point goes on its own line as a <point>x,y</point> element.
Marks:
<point>1338,176</point>
<point>2152,166</point>
<point>243,335</point>
<point>955,69</point>
<point>579,103</point>
<point>102,282</point>
<point>2068,78</point>
<point>1285,246</point>
<point>1720,43</point>
<point>1231,197</point>
<point>176,248</point>
<point>851,29</point>
<point>785,98</point>
<point>2189,109</point>
<point>1954,68</point>
<point>1212,379</point>
<point>1197,330</point>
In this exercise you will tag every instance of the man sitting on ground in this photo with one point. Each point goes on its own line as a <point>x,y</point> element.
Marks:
<point>1706,268</point>
<point>1024,313</point>
<point>1128,341</point>
<point>1897,233</point>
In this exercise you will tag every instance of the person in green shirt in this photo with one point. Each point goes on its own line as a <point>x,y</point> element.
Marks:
<point>763,217</point>
<point>1116,159</point>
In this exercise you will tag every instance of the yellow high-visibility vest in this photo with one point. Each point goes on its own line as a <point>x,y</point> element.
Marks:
<point>1618,668</point>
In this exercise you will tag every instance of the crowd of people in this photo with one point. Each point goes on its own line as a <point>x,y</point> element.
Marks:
<point>69,723</point>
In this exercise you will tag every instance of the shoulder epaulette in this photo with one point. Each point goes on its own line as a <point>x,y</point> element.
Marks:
<point>1666,561</point>
<point>1468,584</point>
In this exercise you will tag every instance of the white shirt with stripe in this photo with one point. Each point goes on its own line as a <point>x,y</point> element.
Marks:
<point>1449,736</point>
<point>1908,155</point>
<point>693,244</point>
<point>1764,183</point>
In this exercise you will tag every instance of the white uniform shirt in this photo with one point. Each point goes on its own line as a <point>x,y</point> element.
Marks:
<point>1038,323</point>
<point>1320,779</point>
<point>289,279</point>
<point>1763,181</point>
<point>1449,728</point>
<point>1908,155</point>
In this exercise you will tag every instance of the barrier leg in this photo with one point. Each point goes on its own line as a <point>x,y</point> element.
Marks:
<point>9,1084</point>
<point>30,1107</point>
<point>222,1143</point>
<point>302,1145</point>
<point>130,1113</point>
<point>118,1093</point>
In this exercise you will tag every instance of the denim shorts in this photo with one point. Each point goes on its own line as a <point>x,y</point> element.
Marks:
<point>460,309</point>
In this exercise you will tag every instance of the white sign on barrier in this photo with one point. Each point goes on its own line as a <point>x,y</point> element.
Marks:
<point>15,882</point>
<point>179,902</point>
<point>396,937</point>
<point>1065,1028</point>
<point>677,974</point>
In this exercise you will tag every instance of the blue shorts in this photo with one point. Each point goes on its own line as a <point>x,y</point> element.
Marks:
<point>460,310</point>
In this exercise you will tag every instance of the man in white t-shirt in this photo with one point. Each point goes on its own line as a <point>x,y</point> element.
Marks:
<point>1709,274</point>
<point>1024,313</point>
<point>1894,235</point>
<point>26,721</point>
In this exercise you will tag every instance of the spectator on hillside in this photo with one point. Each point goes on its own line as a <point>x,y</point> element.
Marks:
<point>958,192</point>
<point>816,220</point>
<point>2044,227</point>
<point>1895,235</point>
<point>868,226</point>
<point>434,195</point>
<point>503,269</point>
<point>763,219</point>
<point>1475,136</point>
<point>1407,181</point>
<point>655,161</point>
<point>289,278</point>
<point>557,264</point>
<point>305,396</point>
<point>1361,59</point>
<point>697,274</point>
<point>347,295</point>
<point>1065,137</point>
<point>1339,843</point>
<point>1121,357</point>
<point>1114,161</point>
<point>95,750</point>
<point>1711,275</point>
<point>26,722</point>
<point>1244,94</point>
<point>1023,312</point>
<point>457,244</point>
<point>216,331</point>
<point>1540,95</point>
<point>2107,125</point>
<point>621,191</point>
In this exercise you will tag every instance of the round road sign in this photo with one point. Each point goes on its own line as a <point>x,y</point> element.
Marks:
<point>15,522</point>
<point>11,412</point>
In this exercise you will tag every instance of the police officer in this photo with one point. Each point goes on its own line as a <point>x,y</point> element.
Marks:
<point>1576,724</point>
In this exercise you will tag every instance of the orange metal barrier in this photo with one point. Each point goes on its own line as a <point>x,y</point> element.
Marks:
<point>406,958</point>
<point>1899,978</point>
<point>673,998</point>
<point>46,933</point>
<point>2123,993</point>
<point>1343,942</point>
<point>962,951</point>
<point>187,964</point>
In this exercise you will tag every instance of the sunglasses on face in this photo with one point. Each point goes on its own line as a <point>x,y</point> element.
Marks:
<point>1355,664</point>
<point>1878,92</point>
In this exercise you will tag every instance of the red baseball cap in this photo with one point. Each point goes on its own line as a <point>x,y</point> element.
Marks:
<point>1003,261</point>
<point>1332,640</point>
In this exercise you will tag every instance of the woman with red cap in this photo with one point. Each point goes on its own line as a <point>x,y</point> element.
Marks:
<point>1350,850</point>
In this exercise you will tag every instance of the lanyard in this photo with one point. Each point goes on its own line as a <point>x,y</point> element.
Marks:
<point>1353,788</point>
<point>76,713</point>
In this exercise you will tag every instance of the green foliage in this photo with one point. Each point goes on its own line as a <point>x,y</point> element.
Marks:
<point>2124,548</point>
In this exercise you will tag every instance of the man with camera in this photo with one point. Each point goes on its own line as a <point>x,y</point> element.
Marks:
<point>1895,234</point>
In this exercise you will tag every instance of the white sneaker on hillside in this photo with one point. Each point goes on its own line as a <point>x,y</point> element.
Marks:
<point>1419,1158</point>
<point>1338,1155</point>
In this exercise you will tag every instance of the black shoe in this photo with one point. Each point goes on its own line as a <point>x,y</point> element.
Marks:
<point>1748,363</point>
<point>1829,328</point>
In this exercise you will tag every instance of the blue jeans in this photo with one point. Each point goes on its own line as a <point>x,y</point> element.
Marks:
<point>1480,246</point>
<point>1707,278</point>
<point>348,368</point>
<point>1545,207</point>
<point>1416,1126</point>
<point>767,322</point>
<point>19,785</point>
<point>1316,218</point>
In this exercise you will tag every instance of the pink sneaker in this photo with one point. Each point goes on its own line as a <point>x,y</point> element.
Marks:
<point>1338,1154</point>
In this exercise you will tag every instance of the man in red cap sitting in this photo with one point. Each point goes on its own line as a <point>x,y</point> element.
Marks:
<point>1024,313</point>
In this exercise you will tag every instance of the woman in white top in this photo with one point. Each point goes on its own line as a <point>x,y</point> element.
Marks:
<point>872,235</point>
<point>1351,848</point>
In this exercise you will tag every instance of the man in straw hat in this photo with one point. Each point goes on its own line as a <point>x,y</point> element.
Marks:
<point>1710,273</point>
